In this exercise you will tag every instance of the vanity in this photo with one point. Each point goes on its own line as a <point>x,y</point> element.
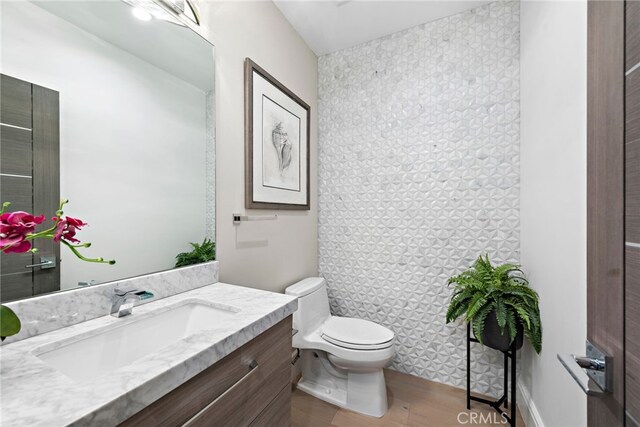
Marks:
<point>215,355</point>
<point>111,106</point>
<point>237,390</point>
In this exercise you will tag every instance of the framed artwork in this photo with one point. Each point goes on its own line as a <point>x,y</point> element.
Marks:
<point>276,143</point>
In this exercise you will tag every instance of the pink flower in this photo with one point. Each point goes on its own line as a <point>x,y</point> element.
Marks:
<point>14,228</point>
<point>66,229</point>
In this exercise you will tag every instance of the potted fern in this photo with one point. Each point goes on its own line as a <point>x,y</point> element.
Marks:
<point>499,303</point>
<point>204,252</point>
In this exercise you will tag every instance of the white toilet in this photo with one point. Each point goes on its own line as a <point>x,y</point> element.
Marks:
<point>342,357</point>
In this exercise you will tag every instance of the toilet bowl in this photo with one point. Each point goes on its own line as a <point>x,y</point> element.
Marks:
<point>342,357</point>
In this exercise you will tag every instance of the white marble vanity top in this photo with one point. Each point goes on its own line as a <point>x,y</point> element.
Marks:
<point>35,394</point>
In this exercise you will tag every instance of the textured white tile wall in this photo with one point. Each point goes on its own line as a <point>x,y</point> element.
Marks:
<point>419,173</point>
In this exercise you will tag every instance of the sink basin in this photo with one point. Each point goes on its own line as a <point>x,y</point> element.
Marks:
<point>115,346</point>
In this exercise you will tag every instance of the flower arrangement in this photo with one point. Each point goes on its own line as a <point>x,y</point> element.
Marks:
<point>18,231</point>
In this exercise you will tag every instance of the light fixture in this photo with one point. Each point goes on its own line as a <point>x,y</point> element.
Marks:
<point>141,14</point>
<point>178,12</point>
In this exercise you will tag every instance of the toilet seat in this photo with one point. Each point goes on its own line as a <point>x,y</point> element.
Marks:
<point>356,334</point>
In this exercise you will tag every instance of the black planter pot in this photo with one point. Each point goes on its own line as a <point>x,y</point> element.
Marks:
<point>491,336</point>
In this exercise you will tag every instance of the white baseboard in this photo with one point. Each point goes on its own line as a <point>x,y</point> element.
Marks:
<point>528,409</point>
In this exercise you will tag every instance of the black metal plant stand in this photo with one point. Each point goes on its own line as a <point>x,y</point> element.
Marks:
<point>509,354</point>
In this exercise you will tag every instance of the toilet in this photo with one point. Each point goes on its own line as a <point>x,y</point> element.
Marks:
<point>342,357</point>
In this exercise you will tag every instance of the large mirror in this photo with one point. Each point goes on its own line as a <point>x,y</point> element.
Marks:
<point>110,106</point>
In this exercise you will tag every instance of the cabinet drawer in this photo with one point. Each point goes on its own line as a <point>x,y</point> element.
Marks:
<point>278,413</point>
<point>229,392</point>
<point>248,397</point>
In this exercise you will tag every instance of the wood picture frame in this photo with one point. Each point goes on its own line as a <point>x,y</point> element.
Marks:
<point>277,143</point>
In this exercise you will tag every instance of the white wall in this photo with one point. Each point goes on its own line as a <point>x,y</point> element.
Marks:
<point>122,123</point>
<point>553,199</point>
<point>270,254</point>
<point>419,175</point>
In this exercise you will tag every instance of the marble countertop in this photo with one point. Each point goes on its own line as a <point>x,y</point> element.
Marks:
<point>35,394</point>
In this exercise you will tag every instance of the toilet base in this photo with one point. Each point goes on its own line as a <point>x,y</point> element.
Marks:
<point>362,392</point>
<point>335,396</point>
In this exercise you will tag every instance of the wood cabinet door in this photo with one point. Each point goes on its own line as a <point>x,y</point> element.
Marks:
<point>29,179</point>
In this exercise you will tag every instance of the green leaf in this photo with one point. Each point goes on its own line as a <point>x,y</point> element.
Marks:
<point>501,314</point>
<point>480,320</point>
<point>478,302</point>
<point>526,295</point>
<point>511,325</point>
<point>522,315</point>
<point>457,308</point>
<point>9,322</point>
<point>534,336</point>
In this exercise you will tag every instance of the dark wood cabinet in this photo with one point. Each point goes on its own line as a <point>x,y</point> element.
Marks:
<point>250,386</point>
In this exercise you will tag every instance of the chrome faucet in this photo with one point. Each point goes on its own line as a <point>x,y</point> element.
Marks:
<point>123,300</point>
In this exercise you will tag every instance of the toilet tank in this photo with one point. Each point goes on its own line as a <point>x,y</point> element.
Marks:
<point>313,304</point>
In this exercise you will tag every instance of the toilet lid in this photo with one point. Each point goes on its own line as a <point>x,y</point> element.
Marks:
<point>356,333</point>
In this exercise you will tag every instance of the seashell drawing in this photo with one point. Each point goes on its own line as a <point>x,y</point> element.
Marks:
<point>280,140</point>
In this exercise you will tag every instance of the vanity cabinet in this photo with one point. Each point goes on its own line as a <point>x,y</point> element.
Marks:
<point>249,387</point>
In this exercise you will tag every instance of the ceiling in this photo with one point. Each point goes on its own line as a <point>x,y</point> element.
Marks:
<point>328,26</point>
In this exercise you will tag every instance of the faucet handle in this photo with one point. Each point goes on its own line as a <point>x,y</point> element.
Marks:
<point>130,290</point>
<point>124,290</point>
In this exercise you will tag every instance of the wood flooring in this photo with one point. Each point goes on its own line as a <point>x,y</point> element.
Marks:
<point>413,401</point>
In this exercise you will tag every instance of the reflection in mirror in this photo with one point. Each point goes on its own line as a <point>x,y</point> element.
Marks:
<point>115,114</point>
